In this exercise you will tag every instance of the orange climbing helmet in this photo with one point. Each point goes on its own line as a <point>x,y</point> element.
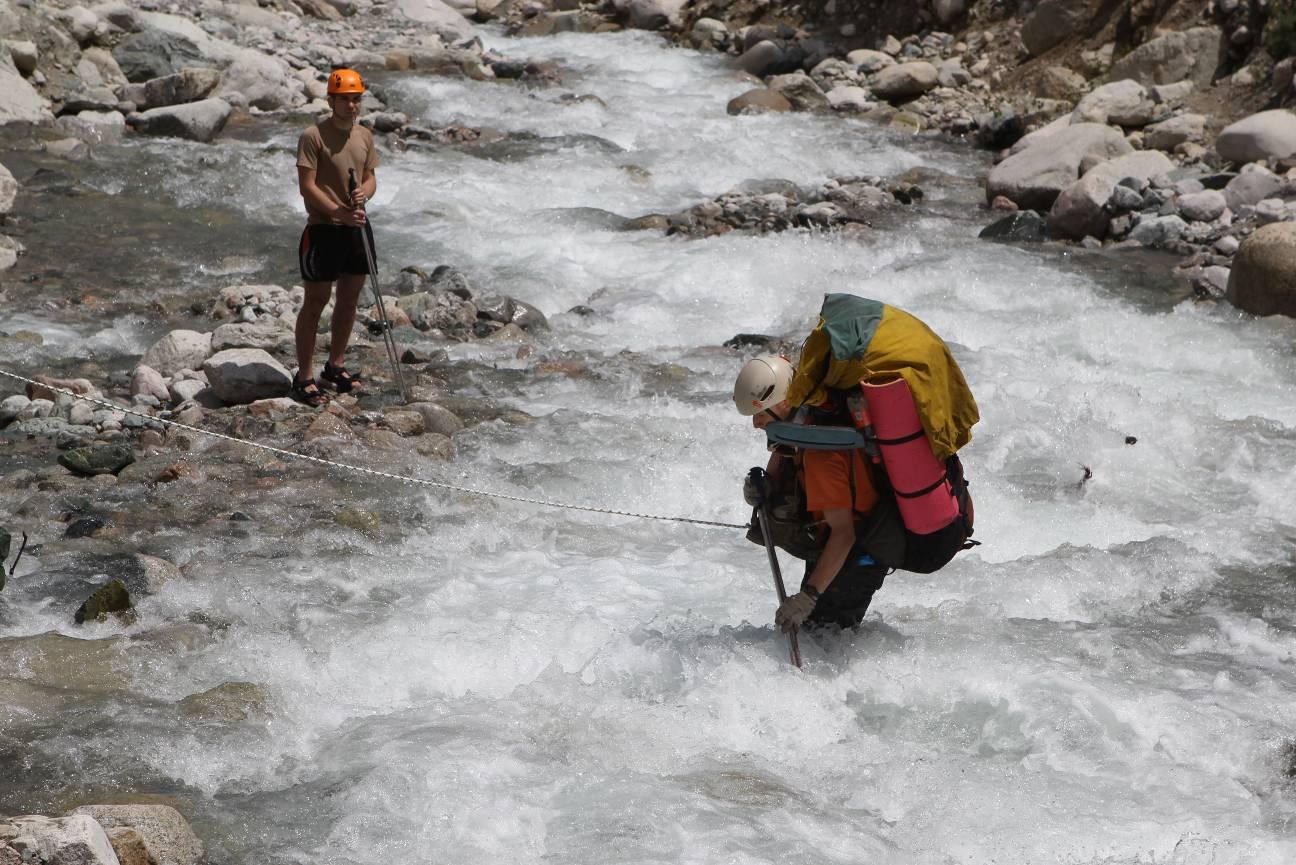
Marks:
<point>345,81</point>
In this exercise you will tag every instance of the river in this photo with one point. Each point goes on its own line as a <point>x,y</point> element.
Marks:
<point>1107,679</point>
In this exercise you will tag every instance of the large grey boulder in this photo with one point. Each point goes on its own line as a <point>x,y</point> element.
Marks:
<point>19,101</point>
<point>1263,279</point>
<point>446,22</point>
<point>1051,22</point>
<point>1186,54</point>
<point>188,85</point>
<point>905,81</point>
<point>196,121</point>
<point>243,375</point>
<point>8,190</point>
<point>1081,211</point>
<point>1123,102</point>
<point>179,349</point>
<point>1034,177</point>
<point>167,835</point>
<point>1269,134</point>
<point>156,54</point>
<point>75,840</point>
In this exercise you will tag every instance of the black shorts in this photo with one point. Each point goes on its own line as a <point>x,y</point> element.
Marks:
<point>847,597</point>
<point>329,251</point>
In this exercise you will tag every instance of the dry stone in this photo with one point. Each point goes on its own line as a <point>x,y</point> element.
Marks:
<point>8,190</point>
<point>1034,177</point>
<point>1269,134</point>
<point>1051,22</point>
<point>179,349</point>
<point>75,840</point>
<point>166,834</point>
<point>758,101</point>
<point>244,375</point>
<point>1081,211</point>
<point>905,81</point>
<point>1183,55</point>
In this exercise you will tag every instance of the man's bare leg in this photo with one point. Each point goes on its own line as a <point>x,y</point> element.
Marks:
<point>349,286</point>
<point>317,297</point>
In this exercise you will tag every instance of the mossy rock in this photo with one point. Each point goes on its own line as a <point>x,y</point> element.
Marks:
<point>112,598</point>
<point>97,459</point>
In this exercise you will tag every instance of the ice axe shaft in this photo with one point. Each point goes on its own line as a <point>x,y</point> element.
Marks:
<point>758,475</point>
<point>388,338</point>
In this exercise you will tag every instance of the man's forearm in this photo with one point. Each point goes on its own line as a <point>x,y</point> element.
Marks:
<point>833,557</point>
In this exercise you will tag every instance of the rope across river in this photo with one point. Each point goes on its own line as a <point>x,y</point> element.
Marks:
<point>368,471</point>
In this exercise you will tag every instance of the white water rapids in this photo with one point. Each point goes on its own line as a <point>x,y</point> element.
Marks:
<point>1107,679</point>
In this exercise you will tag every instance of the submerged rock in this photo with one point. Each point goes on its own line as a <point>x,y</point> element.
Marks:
<point>1024,225</point>
<point>111,598</point>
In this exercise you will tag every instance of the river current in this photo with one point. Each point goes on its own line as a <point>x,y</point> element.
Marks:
<point>1107,679</point>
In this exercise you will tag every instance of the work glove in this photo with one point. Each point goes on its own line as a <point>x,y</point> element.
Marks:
<point>794,611</point>
<point>754,488</point>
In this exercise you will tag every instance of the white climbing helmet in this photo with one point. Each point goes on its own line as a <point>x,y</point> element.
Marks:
<point>762,382</point>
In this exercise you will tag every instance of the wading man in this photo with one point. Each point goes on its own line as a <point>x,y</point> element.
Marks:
<point>329,155</point>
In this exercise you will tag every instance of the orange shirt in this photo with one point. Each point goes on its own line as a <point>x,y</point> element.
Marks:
<point>828,479</point>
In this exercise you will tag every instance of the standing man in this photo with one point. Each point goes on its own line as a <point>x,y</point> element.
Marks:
<point>329,155</point>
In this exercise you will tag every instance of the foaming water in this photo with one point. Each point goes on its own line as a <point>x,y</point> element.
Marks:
<point>1104,681</point>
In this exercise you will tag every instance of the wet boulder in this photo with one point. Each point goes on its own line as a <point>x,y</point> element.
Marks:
<point>1263,278</point>
<point>1035,176</point>
<point>111,599</point>
<point>76,839</point>
<point>1024,225</point>
<point>1191,55</point>
<point>167,835</point>
<point>97,459</point>
<point>760,100</point>
<point>1081,210</point>
<point>243,375</point>
<point>195,121</point>
<point>179,349</point>
<point>905,81</point>
<point>1269,134</point>
<point>229,703</point>
<point>437,418</point>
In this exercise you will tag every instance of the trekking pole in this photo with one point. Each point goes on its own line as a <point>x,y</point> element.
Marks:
<point>388,338</point>
<point>758,476</point>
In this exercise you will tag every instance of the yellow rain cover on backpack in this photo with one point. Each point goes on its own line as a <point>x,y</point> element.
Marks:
<point>866,340</point>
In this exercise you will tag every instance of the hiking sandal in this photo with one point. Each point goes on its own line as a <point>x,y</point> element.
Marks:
<point>340,377</point>
<point>308,393</point>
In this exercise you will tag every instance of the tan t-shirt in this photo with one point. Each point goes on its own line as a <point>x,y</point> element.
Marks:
<point>331,152</point>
